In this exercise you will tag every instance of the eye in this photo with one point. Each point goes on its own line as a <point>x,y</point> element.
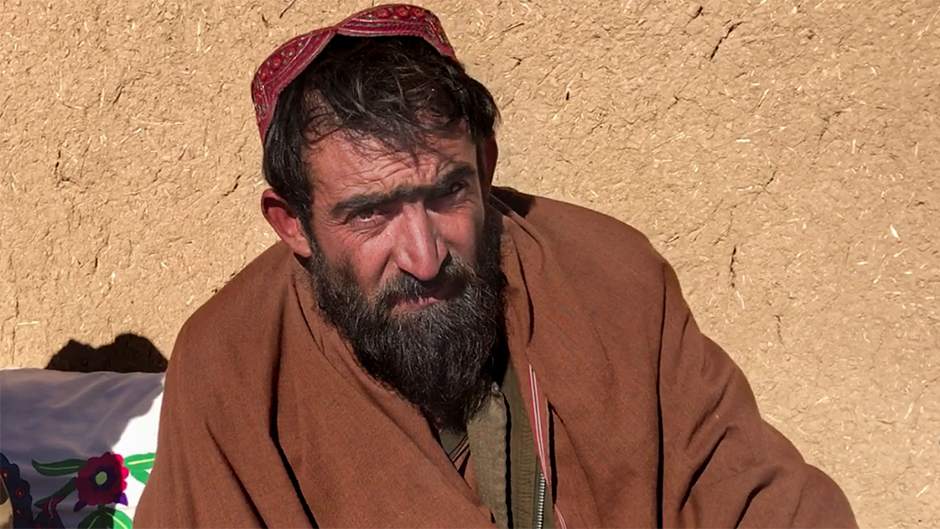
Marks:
<point>365,217</point>
<point>364,214</point>
<point>455,188</point>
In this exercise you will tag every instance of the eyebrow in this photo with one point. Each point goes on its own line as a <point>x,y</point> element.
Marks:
<point>460,172</point>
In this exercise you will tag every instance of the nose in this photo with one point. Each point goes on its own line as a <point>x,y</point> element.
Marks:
<point>420,251</point>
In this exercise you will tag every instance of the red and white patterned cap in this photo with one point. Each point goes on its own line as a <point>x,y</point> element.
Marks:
<point>288,61</point>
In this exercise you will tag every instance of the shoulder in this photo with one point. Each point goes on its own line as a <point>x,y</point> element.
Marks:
<point>231,340</point>
<point>596,251</point>
<point>245,299</point>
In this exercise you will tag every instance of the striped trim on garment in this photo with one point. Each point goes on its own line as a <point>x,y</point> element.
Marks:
<point>541,439</point>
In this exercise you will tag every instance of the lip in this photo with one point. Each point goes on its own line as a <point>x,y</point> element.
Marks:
<point>421,302</point>
<point>431,296</point>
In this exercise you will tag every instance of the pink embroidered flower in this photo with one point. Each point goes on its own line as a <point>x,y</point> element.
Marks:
<point>102,481</point>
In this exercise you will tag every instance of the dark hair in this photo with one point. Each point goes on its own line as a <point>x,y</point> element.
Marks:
<point>398,91</point>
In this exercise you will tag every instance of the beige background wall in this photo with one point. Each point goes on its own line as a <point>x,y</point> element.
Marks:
<point>782,155</point>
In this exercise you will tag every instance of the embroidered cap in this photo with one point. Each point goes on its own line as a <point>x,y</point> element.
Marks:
<point>288,61</point>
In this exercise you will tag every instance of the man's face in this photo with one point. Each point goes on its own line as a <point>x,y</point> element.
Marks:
<point>384,215</point>
<point>406,264</point>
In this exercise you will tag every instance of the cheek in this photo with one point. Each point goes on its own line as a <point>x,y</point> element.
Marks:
<point>369,262</point>
<point>365,258</point>
<point>461,232</point>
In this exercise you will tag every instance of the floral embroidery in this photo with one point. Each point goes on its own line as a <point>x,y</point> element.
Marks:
<point>99,481</point>
<point>102,481</point>
<point>20,495</point>
<point>286,63</point>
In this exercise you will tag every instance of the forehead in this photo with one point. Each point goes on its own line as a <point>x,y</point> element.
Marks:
<point>339,166</point>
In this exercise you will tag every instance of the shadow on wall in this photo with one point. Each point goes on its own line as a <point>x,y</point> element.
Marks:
<point>128,353</point>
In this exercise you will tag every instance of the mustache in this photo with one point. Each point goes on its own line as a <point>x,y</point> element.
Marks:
<point>453,277</point>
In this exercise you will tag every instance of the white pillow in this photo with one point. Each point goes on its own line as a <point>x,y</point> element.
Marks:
<point>76,448</point>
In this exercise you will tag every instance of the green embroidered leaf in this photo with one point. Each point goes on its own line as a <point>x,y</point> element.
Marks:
<point>140,475</point>
<point>61,493</point>
<point>142,461</point>
<point>59,468</point>
<point>98,519</point>
<point>122,520</point>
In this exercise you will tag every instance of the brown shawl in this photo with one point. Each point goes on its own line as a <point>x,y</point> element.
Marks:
<point>641,420</point>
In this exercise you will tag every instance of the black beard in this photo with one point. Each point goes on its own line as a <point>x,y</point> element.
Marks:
<point>436,356</point>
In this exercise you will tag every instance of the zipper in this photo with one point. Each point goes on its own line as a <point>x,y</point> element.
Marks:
<point>540,492</point>
<point>540,501</point>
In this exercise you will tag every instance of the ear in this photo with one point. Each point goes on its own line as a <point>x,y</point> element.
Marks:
<point>488,154</point>
<point>285,222</point>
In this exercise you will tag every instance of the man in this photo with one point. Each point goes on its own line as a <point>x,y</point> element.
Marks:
<point>423,349</point>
